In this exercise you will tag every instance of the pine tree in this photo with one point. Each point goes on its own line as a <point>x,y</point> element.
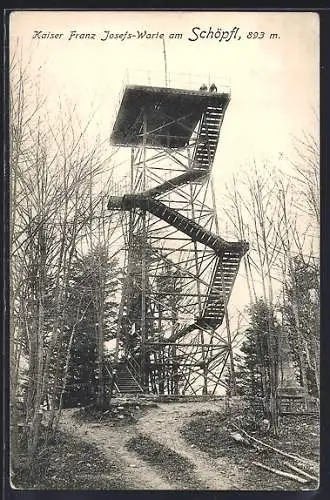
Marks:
<point>257,367</point>
<point>93,286</point>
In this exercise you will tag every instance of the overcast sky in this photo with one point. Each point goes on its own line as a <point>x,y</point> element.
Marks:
<point>274,79</point>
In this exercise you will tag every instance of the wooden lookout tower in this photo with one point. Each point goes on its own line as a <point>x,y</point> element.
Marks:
<point>179,271</point>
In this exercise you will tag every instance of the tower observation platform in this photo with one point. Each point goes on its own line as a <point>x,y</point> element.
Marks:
<point>156,105</point>
<point>179,270</point>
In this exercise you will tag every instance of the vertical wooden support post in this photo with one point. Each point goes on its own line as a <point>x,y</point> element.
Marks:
<point>215,212</point>
<point>232,385</point>
<point>199,300</point>
<point>126,285</point>
<point>132,171</point>
<point>143,267</point>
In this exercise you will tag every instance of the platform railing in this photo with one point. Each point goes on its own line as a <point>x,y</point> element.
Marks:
<point>184,81</point>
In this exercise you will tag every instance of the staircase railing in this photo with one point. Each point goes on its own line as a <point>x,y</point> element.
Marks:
<point>134,368</point>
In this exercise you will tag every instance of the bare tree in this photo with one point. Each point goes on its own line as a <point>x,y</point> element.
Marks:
<point>299,200</point>
<point>307,173</point>
<point>278,213</point>
<point>51,165</point>
<point>253,209</point>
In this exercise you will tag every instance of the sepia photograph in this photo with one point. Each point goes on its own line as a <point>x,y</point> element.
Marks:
<point>164,250</point>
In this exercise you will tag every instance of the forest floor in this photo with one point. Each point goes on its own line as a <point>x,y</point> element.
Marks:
<point>187,445</point>
<point>173,446</point>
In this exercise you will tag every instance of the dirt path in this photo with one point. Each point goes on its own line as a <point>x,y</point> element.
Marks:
<point>111,441</point>
<point>162,424</point>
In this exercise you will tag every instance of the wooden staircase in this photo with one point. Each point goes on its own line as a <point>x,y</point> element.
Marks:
<point>220,288</point>
<point>125,381</point>
<point>228,254</point>
<point>218,293</point>
<point>203,156</point>
<point>202,161</point>
<point>208,137</point>
<point>174,218</point>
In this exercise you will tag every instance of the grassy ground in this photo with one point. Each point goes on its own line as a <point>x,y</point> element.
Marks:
<point>171,465</point>
<point>68,464</point>
<point>299,435</point>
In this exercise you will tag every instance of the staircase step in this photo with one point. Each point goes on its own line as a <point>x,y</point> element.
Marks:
<point>126,382</point>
